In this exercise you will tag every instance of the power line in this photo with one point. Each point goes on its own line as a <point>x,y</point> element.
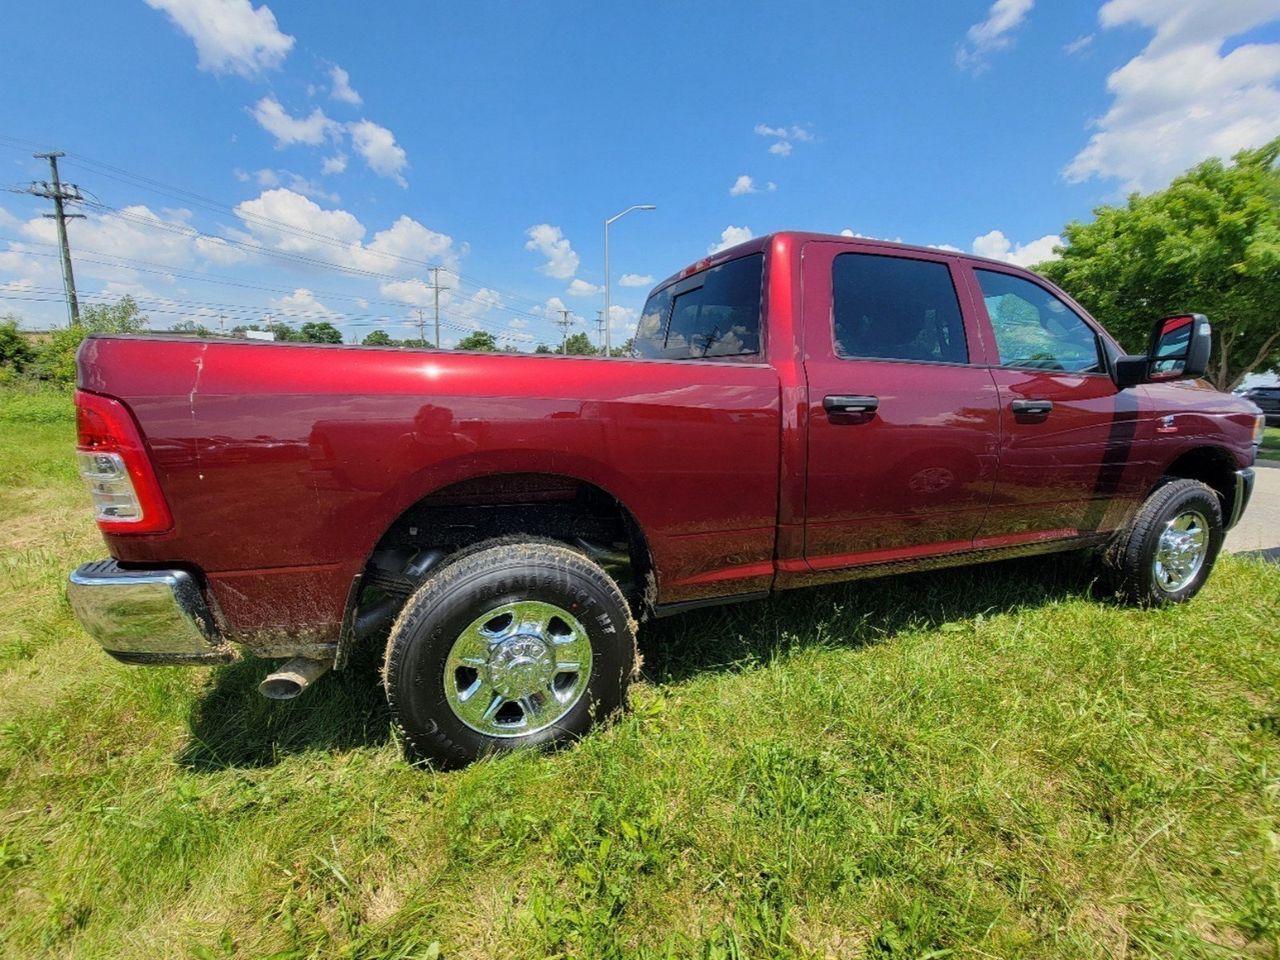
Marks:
<point>566,320</point>
<point>60,193</point>
<point>260,248</point>
<point>179,193</point>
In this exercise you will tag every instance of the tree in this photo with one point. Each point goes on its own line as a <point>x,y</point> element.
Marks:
<point>379,338</point>
<point>192,328</point>
<point>58,359</point>
<point>1209,243</point>
<point>479,340</point>
<point>416,343</point>
<point>579,344</point>
<point>626,350</point>
<point>15,351</point>
<point>282,331</point>
<point>321,331</point>
<point>542,348</point>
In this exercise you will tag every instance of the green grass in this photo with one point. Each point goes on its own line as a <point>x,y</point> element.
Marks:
<point>1270,448</point>
<point>979,763</point>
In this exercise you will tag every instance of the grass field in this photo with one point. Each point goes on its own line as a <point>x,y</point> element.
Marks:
<point>1270,444</point>
<point>980,763</point>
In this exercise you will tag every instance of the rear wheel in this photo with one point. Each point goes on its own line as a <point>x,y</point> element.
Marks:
<point>1165,554</point>
<point>514,645</point>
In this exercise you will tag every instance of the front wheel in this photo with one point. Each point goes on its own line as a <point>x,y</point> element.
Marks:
<point>1165,554</point>
<point>514,645</point>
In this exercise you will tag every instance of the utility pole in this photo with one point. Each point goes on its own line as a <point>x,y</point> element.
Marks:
<point>600,331</point>
<point>566,320</point>
<point>422,334</point>
<point>60,193</point>
<point>435,288</point>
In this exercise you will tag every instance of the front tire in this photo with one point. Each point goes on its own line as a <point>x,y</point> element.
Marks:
<point>1165,554</point>
<point>515,645</point>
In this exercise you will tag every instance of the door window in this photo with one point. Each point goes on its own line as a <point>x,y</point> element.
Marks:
<point>1035,329</point>
<point>894,308</point>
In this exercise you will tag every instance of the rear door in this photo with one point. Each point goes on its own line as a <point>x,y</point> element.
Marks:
<point>1068,436</point>
<point>903,415</point>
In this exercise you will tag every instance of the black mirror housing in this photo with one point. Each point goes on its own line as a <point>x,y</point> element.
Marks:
<point>1129,370</point>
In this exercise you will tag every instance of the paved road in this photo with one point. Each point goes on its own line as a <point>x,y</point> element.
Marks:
<point>1259,529</point>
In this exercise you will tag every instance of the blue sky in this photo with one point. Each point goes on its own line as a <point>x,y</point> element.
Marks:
<point>313,160</point>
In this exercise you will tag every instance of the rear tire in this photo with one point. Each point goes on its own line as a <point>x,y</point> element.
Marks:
<point>1166,552</point>
<point>523,644</point>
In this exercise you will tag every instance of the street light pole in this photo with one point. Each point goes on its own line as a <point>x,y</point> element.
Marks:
<point>608,339</point>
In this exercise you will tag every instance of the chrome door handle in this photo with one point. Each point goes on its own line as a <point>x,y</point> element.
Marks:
<point>850,404</point>
<point>1032,408</point>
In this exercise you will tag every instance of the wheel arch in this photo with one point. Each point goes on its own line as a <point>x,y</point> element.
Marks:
<point>1212,465</point>
<point>485,507</point>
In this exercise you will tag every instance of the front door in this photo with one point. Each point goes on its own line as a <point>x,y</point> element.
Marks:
<point>903,415</point>
<point>1068,435</point>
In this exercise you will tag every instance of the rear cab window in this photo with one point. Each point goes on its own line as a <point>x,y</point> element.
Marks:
<point>710,315</point>
<point>895,308</point>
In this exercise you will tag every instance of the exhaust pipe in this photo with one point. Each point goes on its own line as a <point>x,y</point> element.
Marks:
<point>293,678</point>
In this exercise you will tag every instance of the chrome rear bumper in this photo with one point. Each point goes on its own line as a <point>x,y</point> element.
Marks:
<point>146,616</point>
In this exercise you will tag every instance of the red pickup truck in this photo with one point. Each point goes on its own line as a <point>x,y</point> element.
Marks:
<point>799,409</point>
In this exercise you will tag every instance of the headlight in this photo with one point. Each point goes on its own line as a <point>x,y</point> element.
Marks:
<point>1259,426</point>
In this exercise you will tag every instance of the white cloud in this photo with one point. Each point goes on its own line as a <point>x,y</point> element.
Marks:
<point>263,214</point>
<point>847,232</point>
<point>635,280</point>
<point>268,178</point>
<point>784,137</point>
<point>302,305</point>
<point>997,246</point>
<point>341,88</point>
<point>416,293</point>
<point>335,164</point>
<point>771,186</point>
<point>287,130</point>
<point>218,251</point>
<point>622,320</point>
<point>378,146</point>
<point>580,288</point>
<point>1181,99</point>
<point>562,262</point>
<point>1078,44</point>
<point>283,220</point>
<point>744,184</point>
<point>163,239</point>
<point>231,36</point>
<point>405,240</point>
<point>731,236</point>
<point>992,34</point>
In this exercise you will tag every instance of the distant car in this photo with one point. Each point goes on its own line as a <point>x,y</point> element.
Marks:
<point>1268,401</point>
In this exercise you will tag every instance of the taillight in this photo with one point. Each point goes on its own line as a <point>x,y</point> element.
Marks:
<point>115,466</point>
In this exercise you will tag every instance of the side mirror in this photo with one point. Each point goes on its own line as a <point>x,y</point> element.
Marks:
<point>1178,350</point>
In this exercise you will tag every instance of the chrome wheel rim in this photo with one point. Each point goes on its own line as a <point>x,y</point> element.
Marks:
<point>1181,550</point>
<point>518,669</point>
